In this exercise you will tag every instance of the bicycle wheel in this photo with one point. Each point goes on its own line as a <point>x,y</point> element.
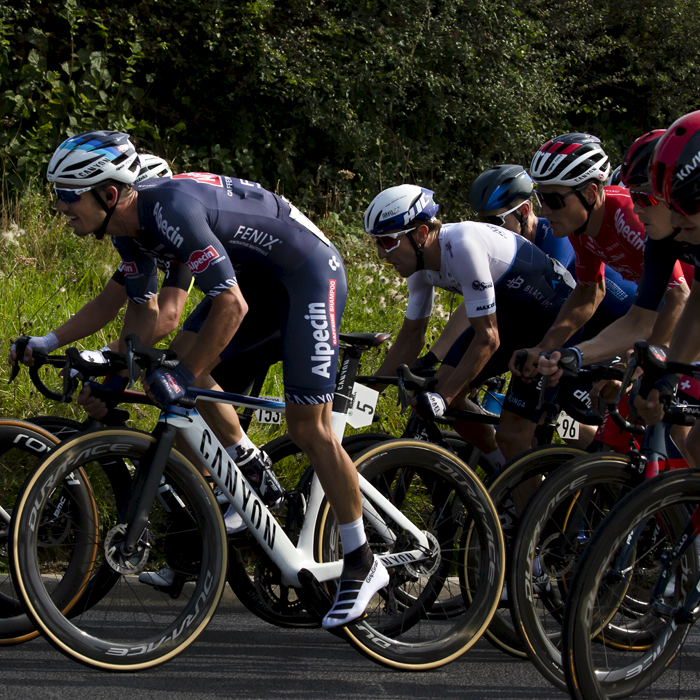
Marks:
<point>252,576</point>
<point>596,671</point>
<point>126,625</point>
<point>21,446</point>
<point>440,495</point>
<point>59,427</point>
<point>540,461</point>
<point>554,530</point>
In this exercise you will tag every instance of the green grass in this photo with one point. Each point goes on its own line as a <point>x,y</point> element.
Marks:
<point>48,274</point>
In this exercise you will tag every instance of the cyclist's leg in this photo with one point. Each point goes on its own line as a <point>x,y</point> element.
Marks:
<point>317,292</point>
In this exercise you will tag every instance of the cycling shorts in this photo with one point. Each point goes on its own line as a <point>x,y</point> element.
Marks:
<point>302,313</point>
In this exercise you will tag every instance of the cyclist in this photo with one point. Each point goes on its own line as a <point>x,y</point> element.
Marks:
<point>602,227</point>
<point>511,291</point>
<point>206,221</point>
<point>96,314</point>
<point>675,179</point>
<point>503,195</point>
<point>664,249</point>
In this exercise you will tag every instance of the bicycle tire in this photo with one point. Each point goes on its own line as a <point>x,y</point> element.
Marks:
<point>185,532</point>
<point>539,461</point>
<point>60,427</point>
<point>440,494</point>
<point>254,579</point>
<point>558,522</point>
<point>667,501</point>
<point>21,446</point>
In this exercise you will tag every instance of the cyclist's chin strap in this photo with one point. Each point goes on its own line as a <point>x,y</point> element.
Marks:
<point>589,208</point>
<point>675,232</point>
<point>100,233</point>
<point>420,263</point>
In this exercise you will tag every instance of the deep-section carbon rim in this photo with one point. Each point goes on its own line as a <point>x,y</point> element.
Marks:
<point>405,626</point>
<point>128,624</point>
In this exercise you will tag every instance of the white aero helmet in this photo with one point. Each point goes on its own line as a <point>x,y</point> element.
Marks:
<point>570,160</point>
<point>93,157</point>
<point>397,207</point>
<point>152,167</point>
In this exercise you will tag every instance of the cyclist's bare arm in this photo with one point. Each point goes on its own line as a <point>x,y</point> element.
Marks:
<point>576,310</point>
<point>407,347</point>
<point>669,315</point>
<point>486,340</point>
<point>458,323</point>
<point>94,316</point>
<point>140,319</point>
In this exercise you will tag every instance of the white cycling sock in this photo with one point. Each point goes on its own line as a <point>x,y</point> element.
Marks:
<point>241,449</point>
<point>496,458</point>
<point>352,535</point>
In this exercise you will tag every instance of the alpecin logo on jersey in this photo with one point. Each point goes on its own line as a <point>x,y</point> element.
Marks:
<point>636,238</point>
<point>322,320</point>
<point>129,268</point>
<point>200,259</point>
<point>170,232</point>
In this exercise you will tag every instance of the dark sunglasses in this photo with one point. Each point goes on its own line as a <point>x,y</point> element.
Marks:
<point>643,199</point>
<point>70,196</point>
<point>554,200</point>
<point>687,207</point>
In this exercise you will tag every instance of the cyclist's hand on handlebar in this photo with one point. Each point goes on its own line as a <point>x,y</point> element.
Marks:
<point>425,362</point>
<point>555,362</point>
<point>651,410</point>
<point>429,405</point>
<point>94,407</point>
<point>45,344</point>
<point>607,388</point>
<point>165,386</point>
<point>523,363</point>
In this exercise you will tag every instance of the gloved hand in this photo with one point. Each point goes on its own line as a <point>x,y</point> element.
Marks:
<point>45,344</point>
<point>430,405</point>
<point>95,356</point>
<point>570,360</point>
<point>427,361</point>
<point>168,385</point>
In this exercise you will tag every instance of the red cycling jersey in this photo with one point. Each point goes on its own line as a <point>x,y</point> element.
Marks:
<point>619,243</point>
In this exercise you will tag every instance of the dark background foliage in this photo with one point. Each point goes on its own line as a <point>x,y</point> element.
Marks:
<point>329,101</point>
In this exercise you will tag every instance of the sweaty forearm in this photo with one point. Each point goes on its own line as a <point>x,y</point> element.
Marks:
<point>94,316</point>
<point>406,349</point>
<point>619,336</point>
<point>140,319</point>
<point>675,301</point>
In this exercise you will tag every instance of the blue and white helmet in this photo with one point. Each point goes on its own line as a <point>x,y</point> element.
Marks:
<point>152,167</point>
<point>93,157</point>
<point>397,207</point>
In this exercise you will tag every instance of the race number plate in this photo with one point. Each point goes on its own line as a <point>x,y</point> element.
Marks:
<point>567,427</point>
<point>263,415</point>
<point>362,405</point>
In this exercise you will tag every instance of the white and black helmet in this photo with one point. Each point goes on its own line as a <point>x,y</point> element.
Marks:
<point>152,167</point>
<point>397,207</point>
<point>93,157</point>
<point>570,160</point>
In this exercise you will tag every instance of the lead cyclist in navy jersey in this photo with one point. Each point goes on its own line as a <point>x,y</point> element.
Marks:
<point>208,222</point>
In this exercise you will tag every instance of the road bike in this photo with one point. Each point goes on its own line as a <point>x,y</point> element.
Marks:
<point>418,500</point>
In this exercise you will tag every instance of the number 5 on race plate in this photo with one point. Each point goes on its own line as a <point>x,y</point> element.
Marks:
<point>567,427</point>
<point>364,401</point>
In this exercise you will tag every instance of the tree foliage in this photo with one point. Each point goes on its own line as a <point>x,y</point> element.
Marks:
<point>328,101</point>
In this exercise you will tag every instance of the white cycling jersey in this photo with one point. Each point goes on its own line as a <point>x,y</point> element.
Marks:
<point>484,263</point>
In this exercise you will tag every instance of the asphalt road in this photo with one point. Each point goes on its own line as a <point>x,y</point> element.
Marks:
<point>239,656</point>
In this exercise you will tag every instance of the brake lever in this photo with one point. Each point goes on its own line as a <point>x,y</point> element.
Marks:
<point>133,368</point>
<point>20,346</point>
<point>402,400</point>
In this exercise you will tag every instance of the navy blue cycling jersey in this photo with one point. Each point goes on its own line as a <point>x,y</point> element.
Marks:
<point>212,223</point>
<point>619,292</point>
<point>177,275</point>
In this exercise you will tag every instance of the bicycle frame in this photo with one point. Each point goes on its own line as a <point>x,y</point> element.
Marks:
<point>290,559</point>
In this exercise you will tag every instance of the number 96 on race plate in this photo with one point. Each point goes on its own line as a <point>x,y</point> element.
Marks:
<point>567,427</point>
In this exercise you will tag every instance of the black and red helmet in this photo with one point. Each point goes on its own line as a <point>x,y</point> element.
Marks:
<point>675,166</point>
<point>634,171</point>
